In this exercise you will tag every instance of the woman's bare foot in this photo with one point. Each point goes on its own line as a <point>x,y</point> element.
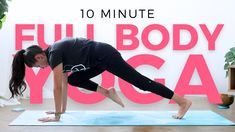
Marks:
<point>112,94</point>
<point>184,105</point>
<point>183,109</point>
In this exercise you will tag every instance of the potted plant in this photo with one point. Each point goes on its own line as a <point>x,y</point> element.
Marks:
<point>3,10</point>
<point>229,59</point>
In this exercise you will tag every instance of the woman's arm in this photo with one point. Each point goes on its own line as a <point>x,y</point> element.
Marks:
<point>64,92</point>
<point>57,76</point>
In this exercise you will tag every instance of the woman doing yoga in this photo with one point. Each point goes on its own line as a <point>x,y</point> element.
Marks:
<point>85,59</point>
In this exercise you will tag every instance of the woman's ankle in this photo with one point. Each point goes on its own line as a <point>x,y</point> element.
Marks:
<point>102,91</point>
<point>179,100</point>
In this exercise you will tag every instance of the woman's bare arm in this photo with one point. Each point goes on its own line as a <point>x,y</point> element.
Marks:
<point>64,91</point>
<point>57,76</point>
<point>64,94</point>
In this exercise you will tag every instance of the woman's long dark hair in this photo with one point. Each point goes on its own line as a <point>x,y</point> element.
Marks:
<point>17,84</point>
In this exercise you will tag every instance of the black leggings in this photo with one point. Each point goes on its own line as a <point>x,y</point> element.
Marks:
<point>117,66</point>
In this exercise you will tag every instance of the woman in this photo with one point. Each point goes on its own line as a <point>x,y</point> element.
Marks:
<point>84,59</point>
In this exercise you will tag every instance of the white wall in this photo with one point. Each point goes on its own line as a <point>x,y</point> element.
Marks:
<point>168,12</point>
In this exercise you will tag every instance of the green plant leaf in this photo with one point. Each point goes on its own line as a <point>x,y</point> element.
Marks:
<point>3,18</point>
<point>4,5</point>
<point>233,63</point>
<point>230,53</point>
<point>229,59</point>
<point>226,66</point>
<point>0,24</point>
<point>233,50</point>
<point>1,10</point>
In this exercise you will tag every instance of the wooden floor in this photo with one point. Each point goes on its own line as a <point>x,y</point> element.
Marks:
<point>199,103</point>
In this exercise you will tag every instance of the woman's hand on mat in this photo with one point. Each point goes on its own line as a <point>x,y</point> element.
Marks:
<point>49,119</point>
